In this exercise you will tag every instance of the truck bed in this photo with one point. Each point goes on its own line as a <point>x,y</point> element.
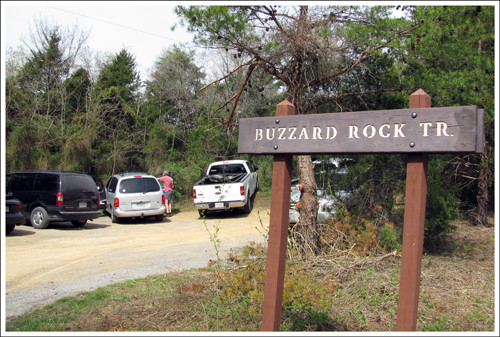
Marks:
<point>220,179</point>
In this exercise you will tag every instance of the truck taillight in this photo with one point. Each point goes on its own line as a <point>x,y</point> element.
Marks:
<point>59,199</point>
<point>117,202</point>
<point>242,190</point>
<point>194,193</point>
<point>163,199</point>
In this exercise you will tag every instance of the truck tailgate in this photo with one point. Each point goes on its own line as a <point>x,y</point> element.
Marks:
<point>218,192</point>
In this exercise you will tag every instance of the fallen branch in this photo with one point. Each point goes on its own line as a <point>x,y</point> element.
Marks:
<point>377,260</point>
<point>340,267</point>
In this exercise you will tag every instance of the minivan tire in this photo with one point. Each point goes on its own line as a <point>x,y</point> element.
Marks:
<point>78,223</point>
<point>114,218</point>
<point>39,218</point>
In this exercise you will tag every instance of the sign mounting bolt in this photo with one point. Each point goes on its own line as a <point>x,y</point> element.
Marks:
<point>277,121</point>
<point>275,147</point>
<point>413,115</point>
<point>412,144</point>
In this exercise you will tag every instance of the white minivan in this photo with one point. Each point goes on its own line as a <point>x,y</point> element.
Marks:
<point>134,195</point>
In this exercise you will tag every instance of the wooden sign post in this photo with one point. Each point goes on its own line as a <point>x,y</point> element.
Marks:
<point>417,131</point>
<point>413,230</point>
<point>278,232</point>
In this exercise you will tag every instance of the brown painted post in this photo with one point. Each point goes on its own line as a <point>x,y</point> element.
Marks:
<point>278,232</point>
<point>413,230</point>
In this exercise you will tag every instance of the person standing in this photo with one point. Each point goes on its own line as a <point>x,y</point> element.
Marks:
<point>168,186</point>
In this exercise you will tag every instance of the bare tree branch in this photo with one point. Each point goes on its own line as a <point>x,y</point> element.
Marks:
<point>317,102</point>
<point>229,74</point>
<point>240,91</point>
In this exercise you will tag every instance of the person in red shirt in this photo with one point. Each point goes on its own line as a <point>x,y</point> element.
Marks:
<point>168,186</point>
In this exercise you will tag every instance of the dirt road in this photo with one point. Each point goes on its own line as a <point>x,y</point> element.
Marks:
<point>44,265</point>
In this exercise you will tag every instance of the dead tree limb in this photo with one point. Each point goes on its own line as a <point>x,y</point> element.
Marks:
<point>229,74</point>
<point>238,94</point>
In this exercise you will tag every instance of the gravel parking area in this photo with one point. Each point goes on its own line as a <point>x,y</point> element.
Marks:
<point>42,266</point>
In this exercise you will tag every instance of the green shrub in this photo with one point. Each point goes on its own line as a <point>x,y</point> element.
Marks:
<point>304,295</point>
<point>442,204</point>
<point>307,318</point>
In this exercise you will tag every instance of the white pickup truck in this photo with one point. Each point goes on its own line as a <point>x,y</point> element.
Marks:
<point>227,185</point>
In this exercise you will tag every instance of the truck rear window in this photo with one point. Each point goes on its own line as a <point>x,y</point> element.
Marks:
<point>227,169</point>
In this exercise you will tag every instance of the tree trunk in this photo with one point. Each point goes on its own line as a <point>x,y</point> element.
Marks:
<point>482,198</point>
<point>305,231</point>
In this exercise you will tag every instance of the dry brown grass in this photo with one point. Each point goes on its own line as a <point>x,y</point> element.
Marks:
<point>459,284</point>
<point>457,291</point>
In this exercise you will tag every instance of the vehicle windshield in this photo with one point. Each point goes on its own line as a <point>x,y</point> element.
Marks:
<point>139,185</point>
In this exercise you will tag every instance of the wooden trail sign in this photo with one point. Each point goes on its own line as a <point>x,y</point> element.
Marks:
<point>430,130</point>
<point>417,131</point>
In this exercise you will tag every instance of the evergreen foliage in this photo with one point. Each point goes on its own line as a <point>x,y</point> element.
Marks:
<point>121,74</point>
<point>452,57</point>
<point>442,204</point>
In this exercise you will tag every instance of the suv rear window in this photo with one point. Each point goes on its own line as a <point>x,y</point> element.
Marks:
<point>78,183</point>
<point>139,185</point>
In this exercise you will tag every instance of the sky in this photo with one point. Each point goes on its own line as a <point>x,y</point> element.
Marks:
<point>141,27</point>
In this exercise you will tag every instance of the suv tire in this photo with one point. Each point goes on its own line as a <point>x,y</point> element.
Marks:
<point>39,218</point>
<point>78,223</point>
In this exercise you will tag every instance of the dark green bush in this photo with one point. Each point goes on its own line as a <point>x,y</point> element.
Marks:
<point>442,204</point>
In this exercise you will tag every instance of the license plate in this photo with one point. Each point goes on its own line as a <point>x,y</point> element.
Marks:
<point>142,205</point>
<point>219,205</point>
<point>82,204</point>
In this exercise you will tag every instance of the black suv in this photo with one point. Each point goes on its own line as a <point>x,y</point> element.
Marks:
<point>50,196</point>
<point>13,215</point>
